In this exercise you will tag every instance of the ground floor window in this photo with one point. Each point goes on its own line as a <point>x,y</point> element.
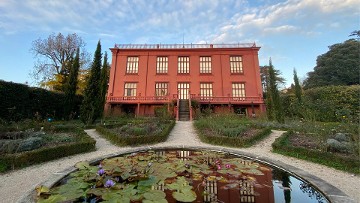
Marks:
<point>240,110</point>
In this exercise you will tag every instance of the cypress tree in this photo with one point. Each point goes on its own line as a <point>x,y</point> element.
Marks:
<point>70,88</point>
<point>274,96</point>
<point>104,83</point>
<point>91,103</point>
<point>298,91</point>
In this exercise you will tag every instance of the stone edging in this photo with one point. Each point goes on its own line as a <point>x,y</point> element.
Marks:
<point>333,194</point>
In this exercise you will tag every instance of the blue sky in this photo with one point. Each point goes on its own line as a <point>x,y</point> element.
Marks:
<point>293,33</point>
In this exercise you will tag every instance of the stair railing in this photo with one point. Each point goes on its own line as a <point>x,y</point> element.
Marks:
<point>190,109</point>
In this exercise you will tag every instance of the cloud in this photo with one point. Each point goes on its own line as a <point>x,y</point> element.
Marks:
<point>291,16</point>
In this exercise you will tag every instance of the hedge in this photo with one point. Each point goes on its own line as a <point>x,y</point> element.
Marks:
<point>134,140</point>
<point>282,146</point>
<point>327,104</point>
<point>19,160</point>
<point>19,101</point>
<point>234,141</point>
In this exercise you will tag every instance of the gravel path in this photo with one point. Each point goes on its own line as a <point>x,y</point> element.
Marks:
<point>14,184</point>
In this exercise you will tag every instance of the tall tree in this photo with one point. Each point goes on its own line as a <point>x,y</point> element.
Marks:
<point>54,56</point>
<point>91,103</point>
<point>70,89</point>
<point>298,90</point>
<point>274,97</point>
<point>104,83</point>
<point>339,66</point>
<point>264,74</point>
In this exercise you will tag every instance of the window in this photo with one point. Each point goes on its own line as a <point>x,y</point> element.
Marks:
<point>162,64</point>
<point>205,64</point>
<point>132,64</point>
<point>205,90</point>
<point>161,89</point>
<point>130,89</point>
<point>183,64</point>
<point>236,64</point>
<point>238,90</point>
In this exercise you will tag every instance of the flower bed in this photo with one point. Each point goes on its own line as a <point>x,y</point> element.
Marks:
<point>21,149</point>
<point>310,147</point>
<point>229,130</point>
<point>137,131</point>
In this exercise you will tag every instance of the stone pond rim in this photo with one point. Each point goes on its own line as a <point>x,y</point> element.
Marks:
<point>333,194</point>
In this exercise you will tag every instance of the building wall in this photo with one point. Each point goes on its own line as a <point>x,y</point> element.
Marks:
<point>221,78</point>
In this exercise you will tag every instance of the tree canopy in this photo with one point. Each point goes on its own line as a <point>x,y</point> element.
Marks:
<point>339,66</point>
<point>54,59</point>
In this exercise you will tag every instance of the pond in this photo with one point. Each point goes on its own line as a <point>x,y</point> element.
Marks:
<point>179,176</point>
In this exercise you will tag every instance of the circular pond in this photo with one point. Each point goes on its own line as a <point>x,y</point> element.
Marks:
<point>179,175</point>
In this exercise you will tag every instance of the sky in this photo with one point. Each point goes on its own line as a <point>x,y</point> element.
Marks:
<point>293,32</point>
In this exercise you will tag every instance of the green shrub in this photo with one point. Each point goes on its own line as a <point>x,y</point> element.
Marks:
<point>18,102</point>
<point>327,104</point>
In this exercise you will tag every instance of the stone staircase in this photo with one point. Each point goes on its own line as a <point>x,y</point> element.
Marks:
<point>184,111</point>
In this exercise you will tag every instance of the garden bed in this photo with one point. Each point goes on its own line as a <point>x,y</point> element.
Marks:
<point>313,147</point>
<point>19,149</point>
<point>137,131</point>
<point>229,130</point>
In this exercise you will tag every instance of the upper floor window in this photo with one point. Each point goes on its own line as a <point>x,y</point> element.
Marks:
<point>162,64</point>
<point>238,90</point>
<point>205,90</point>
<point>205,64</point>
<point>183,64</point>
<point>132,65</point>
<point>130,89</point>
<point>236,64</point>
<point>161,89</point>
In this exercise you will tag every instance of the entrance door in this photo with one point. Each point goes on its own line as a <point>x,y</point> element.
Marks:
<point>183,90</point>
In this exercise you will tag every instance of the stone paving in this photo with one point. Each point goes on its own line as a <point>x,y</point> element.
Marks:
<point>15,184</point>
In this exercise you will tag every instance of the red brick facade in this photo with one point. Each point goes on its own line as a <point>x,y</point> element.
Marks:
<point>225,77</point>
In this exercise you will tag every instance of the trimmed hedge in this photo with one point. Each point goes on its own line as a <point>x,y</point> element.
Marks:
<point>19,160</point>
<point>282,146</point>
<point>18,102</point>
<point>234,141</point>
<point>134,140</point>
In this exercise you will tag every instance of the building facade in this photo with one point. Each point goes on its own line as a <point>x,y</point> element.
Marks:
<point>223,77</point>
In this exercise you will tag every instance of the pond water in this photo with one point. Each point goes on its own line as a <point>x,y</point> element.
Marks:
<point>180,176</point>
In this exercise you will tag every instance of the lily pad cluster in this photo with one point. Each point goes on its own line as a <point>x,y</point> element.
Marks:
<point>153,176</point>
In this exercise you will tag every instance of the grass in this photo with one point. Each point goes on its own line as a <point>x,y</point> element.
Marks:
<point>137,131</point>
<point>229,130</point>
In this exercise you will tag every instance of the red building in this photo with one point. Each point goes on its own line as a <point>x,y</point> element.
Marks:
<point>224,77</point>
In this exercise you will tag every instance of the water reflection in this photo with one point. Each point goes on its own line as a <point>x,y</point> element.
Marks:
<point>211,177</point>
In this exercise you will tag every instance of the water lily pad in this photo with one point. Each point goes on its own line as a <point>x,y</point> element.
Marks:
<point>185,196</point>
<point>41,190</point>
<point>82,165</point>
<point>52,199</point>
<point>155,195</point>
